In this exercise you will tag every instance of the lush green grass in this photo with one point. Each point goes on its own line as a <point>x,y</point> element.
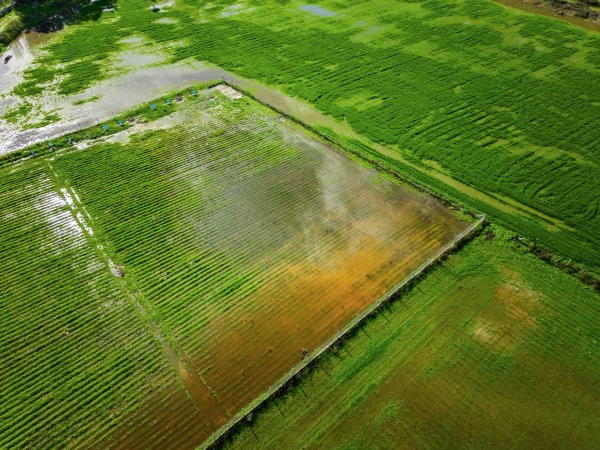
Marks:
<point>502,101</point>
<point>10,27</point>
<point>494,350</point>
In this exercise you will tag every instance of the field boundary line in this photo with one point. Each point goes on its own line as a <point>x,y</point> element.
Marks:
<point>282,383</point>
<point>336,144</point>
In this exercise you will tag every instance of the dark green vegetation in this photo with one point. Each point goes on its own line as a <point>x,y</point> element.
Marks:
<point>504,102</point>
<point>495,350</point>
<point>584,9</point>
<point>46,15</point>
<point>37,11</point>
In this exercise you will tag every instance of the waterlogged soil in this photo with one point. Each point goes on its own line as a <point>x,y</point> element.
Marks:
<point>112,97</point>
<point>22,51</point>
<point>349,237</point>
<point>266,242</point>
<point>139,85</point>
<point>317,10</point>
<point>144,78</point>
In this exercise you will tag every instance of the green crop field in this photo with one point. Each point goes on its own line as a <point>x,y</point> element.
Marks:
<point>469,91</point>
<point>218,238</point>
<point>75,357</point>
<point>494,350</point>
<point>166,268</point>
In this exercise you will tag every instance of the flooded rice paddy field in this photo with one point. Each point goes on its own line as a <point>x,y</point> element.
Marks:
<point>412,77</point>
<point>237,241</point>
<point>156,281</point>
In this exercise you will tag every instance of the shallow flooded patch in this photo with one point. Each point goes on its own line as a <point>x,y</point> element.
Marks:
<point>317,10</point>
<point>167,20</point>
<point>23,53</point>
<point>111,97</point>
<point>234,10</point>
<point>118,94</point>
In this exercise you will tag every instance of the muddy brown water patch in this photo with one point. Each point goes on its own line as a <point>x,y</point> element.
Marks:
<point>168,419</point>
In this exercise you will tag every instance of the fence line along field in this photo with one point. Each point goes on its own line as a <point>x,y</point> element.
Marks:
<point>495,349</point>
<point>219,244</point>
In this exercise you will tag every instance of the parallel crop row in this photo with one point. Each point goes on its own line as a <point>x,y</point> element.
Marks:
<point>74,355</point>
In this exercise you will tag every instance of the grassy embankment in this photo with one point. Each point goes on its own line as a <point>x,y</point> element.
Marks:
<point>493,349</point>
<point>463,95</point>
<point>10,27</point>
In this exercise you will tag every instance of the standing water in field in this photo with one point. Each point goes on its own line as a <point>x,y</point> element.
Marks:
<point>250,239</point>
<point>317,10</point>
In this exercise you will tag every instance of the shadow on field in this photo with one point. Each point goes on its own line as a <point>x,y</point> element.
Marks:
<point>53,15</point>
